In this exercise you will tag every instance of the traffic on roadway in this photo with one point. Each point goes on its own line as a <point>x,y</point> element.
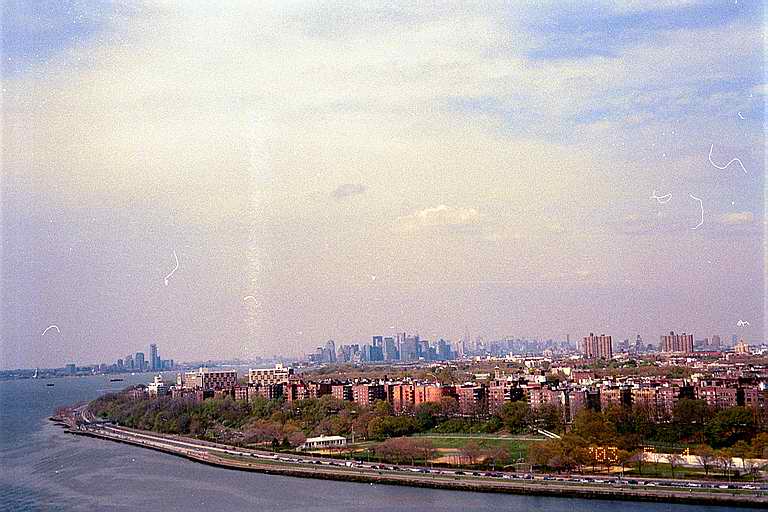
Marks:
<point>87,422</point>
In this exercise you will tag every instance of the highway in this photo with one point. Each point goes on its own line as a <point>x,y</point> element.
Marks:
<point>593,486</point>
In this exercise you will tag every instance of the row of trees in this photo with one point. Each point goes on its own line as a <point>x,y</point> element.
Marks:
<point>262,420</point>
<point>624,435</point>
<point>691,422</point>
<point>265,421</point>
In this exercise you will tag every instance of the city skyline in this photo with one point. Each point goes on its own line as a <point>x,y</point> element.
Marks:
<point>444,349</point>
<point>251,179</point>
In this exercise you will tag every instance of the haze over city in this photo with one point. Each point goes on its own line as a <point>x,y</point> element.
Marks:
<point>346,171</point>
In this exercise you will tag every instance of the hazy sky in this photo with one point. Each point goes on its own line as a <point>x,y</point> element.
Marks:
<point>365,168</point>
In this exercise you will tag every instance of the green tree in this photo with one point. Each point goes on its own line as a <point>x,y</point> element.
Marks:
<point>689,418</point>
<point>382,408</point>
<point>391,426</point>
<point>549,417</point>
<point>759,446</point>
<point>729,426</point>
<point>426,415</point>
<point>594,428</point>
<point>515,416</point>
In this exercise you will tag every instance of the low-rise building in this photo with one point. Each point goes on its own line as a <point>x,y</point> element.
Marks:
<point>323,443</point>
<point>208,379</point>
<point>157,387</point>
<point>266,376</point>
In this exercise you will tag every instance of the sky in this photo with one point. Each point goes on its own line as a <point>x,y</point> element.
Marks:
<point>337,170</point>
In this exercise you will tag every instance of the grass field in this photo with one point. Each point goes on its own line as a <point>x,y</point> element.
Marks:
<point>651,470</point>
<point>516,447</point>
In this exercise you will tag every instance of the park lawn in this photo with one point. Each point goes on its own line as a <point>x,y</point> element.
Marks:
<point>661,470</point>
<point>515,447</point>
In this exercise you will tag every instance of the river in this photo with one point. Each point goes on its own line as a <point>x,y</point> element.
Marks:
<point>42,468</point>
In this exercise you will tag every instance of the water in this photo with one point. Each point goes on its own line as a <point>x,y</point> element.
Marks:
<point>42,468</point>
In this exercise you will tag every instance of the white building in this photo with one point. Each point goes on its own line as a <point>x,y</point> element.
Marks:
<point>157,387</point>
<point>323,443</point>
<point>268,376</point>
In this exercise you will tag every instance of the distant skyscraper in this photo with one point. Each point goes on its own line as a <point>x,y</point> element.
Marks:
<point>128,361</point>
<point>716,343</point>
<point>597,347</point>
<point>409,347</point>
<point>139,362</point>
<point>443,350</point>
<point>390,349</point>
<point>330,346</point>
<point>677,342</point>
<point>374,353</point>
<point>154,360</point>
<point>734,340</point>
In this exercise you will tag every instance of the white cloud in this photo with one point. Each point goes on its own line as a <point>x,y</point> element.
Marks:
<point>439,216</point>
<point>348,189</point>
<point>634,6</point>
<point>737,218</point>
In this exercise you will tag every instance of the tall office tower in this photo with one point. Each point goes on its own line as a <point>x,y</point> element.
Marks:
<point>374,353</point>
<point>638,344</point>
<point>677,342</point>
<point>423,349</point>
<point>390,349</point>
<point>443,350</point>
<point>734,340</point>
<point>153,359</point>
<point>597,347</point>
<point>139,362</point>
<point>128,361</point>
<point>330,346</point>
<point>716,343</point>
<point>399,337</point>
<point>378,341</point>
<point>409,347</point>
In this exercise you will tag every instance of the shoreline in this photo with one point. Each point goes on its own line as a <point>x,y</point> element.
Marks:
<point>455,483</point>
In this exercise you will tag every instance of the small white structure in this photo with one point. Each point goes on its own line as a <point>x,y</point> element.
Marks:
<point>157,387</point>
<point>324,443</point>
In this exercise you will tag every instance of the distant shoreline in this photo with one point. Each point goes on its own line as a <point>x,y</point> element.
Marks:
<point>559,489</point>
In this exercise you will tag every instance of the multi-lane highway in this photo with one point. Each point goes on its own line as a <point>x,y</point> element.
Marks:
<point>594,486</point>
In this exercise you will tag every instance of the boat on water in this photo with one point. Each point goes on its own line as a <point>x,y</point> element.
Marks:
<point>115,380</point>
<point>50,384</point>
